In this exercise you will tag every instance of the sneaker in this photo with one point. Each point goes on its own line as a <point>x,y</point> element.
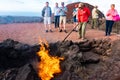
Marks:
<point>74,30</point>
<point>83,39</point>
<point>60,30</point>
<point>46,31</point>
<point>51,30</point>
<point>79,37</point>
<point>65,31</point>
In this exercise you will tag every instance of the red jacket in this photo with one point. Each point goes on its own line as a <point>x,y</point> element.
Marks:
<point>83,14</point>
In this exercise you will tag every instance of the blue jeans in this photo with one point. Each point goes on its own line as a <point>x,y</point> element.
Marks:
<point>109,24</point>
<point>57,21</point>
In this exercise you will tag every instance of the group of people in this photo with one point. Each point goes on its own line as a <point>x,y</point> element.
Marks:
<point>60,17</point>
<point>81,15</point>
<point>111,16</point>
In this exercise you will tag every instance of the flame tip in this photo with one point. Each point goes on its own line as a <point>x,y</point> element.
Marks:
<point>48,65</point>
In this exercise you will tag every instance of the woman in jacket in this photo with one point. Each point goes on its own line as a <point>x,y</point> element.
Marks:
<point>110,19</point>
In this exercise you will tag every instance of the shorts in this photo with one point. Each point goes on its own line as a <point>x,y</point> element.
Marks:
<point>47,20</point>
<point>63,19</point>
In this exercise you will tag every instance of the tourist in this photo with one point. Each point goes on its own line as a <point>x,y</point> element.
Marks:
<point>95,17</point>
<point>83,15</point>
<point>63,11</point>
<point>111,13</point>
<point>75,17</point>
<point>56,15</point>
<point>47,13</point>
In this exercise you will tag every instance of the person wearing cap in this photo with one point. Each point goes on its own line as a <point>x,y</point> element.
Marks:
<point>47,13</point>
<point>83,15</point>
<point>63,11</point>
<point>95,16</point>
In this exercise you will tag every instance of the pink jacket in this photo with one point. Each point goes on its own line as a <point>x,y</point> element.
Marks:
<point>111,14</point>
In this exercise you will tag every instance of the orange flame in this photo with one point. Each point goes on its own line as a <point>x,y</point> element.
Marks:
<point>48,65</point>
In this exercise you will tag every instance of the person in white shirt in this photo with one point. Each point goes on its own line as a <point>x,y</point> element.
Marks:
<point>56,15</point>
<point>95,17</point>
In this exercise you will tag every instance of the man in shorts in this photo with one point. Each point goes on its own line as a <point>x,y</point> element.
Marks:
<point>63,11</point>
<point>47,13</point>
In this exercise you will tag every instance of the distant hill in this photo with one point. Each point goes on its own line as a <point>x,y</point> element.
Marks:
<point>19,19</point>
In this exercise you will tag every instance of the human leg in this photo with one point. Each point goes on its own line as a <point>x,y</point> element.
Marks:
<point>49,24</point>
<point>74,24</point>
<point>79,29</point>
<point>92,24</point>
<point>57,24</point>
<point>97,23</point>
<point>110,27</point>
<point>60,24</point>
<point>83,30</point>
<point>45,24</point>
<point>107,27</point>
<point>55,21</point>
<point>64,22</point>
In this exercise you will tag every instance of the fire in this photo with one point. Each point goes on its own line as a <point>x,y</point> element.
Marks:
<point>48,65</point>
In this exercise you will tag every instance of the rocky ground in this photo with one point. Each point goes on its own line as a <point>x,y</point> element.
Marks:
<point>96,59</point>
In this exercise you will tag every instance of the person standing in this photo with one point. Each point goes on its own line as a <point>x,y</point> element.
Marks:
<point>47,13</point>
<point>95,17</point>
<point>111,13</point>
<point>75,19</point>
<point>56,15</point>
<point>83,15</point>
<point>63,11</point>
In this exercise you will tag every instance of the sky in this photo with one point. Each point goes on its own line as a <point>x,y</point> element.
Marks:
<point>37,5</point>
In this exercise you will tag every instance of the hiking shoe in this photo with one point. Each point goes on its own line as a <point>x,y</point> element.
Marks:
<point>79,37</point>
<point>65,31</point>
<point>51,30</point>
<point>74,30</point>
<point>46,31</point>
<point>60,30</point>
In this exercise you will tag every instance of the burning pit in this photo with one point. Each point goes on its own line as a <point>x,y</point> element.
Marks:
<point>89,60</point>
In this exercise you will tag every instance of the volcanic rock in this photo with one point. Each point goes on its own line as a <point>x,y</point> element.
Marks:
<point>14,54</point>
<point>89,60</point>
<point>90,57</point>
